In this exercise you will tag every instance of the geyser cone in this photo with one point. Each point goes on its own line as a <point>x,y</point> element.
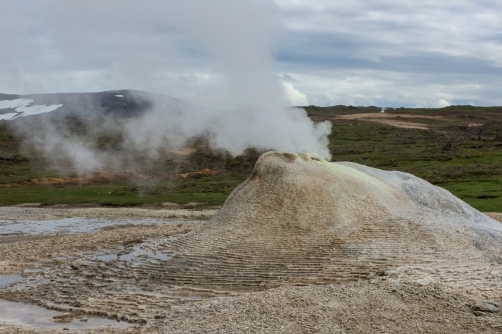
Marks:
<point>288,191</point>
<point>298,220</point>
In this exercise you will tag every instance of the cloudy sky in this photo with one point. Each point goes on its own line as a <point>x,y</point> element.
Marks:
<point>426,53</point>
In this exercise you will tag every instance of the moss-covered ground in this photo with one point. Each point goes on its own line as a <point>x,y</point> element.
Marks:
<point>458,148</point>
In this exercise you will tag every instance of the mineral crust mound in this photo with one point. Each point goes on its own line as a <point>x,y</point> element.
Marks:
<point>302,192</point>
<point>297,220</point>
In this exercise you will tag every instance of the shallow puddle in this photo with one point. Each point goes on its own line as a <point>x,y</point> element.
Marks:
<point>70,225</point>
<point>20,314</point>
<point>9,279</point>
<point>144,251</point>
<point>105,257</point>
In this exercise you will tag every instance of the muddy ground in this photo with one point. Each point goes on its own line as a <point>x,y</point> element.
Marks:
<point>117,268</point>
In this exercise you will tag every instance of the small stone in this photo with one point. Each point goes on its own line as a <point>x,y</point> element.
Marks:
<point>63,318</point>
<point>486,307</point>
<point>494,303</point>
<point>382,272</point>
<point>111,316</point>
<point>6,156</point>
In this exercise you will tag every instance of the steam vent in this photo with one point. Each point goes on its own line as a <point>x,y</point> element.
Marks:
<point>296,220</point>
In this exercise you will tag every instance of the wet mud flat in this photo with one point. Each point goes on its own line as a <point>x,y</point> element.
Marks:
<point>34,317</point>
<point>35,242</point>
<point>171,276</point>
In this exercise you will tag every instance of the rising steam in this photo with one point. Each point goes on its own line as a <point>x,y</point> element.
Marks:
<point>265,127</point>
<point>250,109</point>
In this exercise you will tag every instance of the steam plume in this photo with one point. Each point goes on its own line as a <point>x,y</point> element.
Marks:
<point>250,106</point>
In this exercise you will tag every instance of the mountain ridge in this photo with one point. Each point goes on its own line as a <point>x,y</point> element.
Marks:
<point>122,102</point>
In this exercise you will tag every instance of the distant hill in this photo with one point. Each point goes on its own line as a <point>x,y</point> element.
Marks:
<point>116,102</point>
<point>457,147</point>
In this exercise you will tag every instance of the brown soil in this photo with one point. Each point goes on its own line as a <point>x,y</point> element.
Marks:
<point>198,174</point>
<point>184,152</point>
<point>100,177</point>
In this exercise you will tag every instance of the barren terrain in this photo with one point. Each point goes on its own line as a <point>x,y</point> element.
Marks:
<point>147,250</point>
<point>456,147</point>
<point>399,121</point>
<point>386,303</point>
<point>291,251</point>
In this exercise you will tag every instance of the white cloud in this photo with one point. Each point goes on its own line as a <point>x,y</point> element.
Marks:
<point>443,103</point>
<point>389,89</point>
<point>295,97</point>
<point>422,42</point>
<point>403,50</point>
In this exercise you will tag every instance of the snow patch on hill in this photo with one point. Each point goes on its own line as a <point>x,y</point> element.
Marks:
<point>23,108</point>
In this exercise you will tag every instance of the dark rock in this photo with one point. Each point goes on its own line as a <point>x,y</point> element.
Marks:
<point>123,317</point>
<point>111,316</point>
<point>448,146</point>
<point>382,272</point>
<point>7,156</point>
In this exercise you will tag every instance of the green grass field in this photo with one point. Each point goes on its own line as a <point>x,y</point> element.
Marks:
<point>486,196</point>
<point>464,160</point>
<point>104,195</point>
